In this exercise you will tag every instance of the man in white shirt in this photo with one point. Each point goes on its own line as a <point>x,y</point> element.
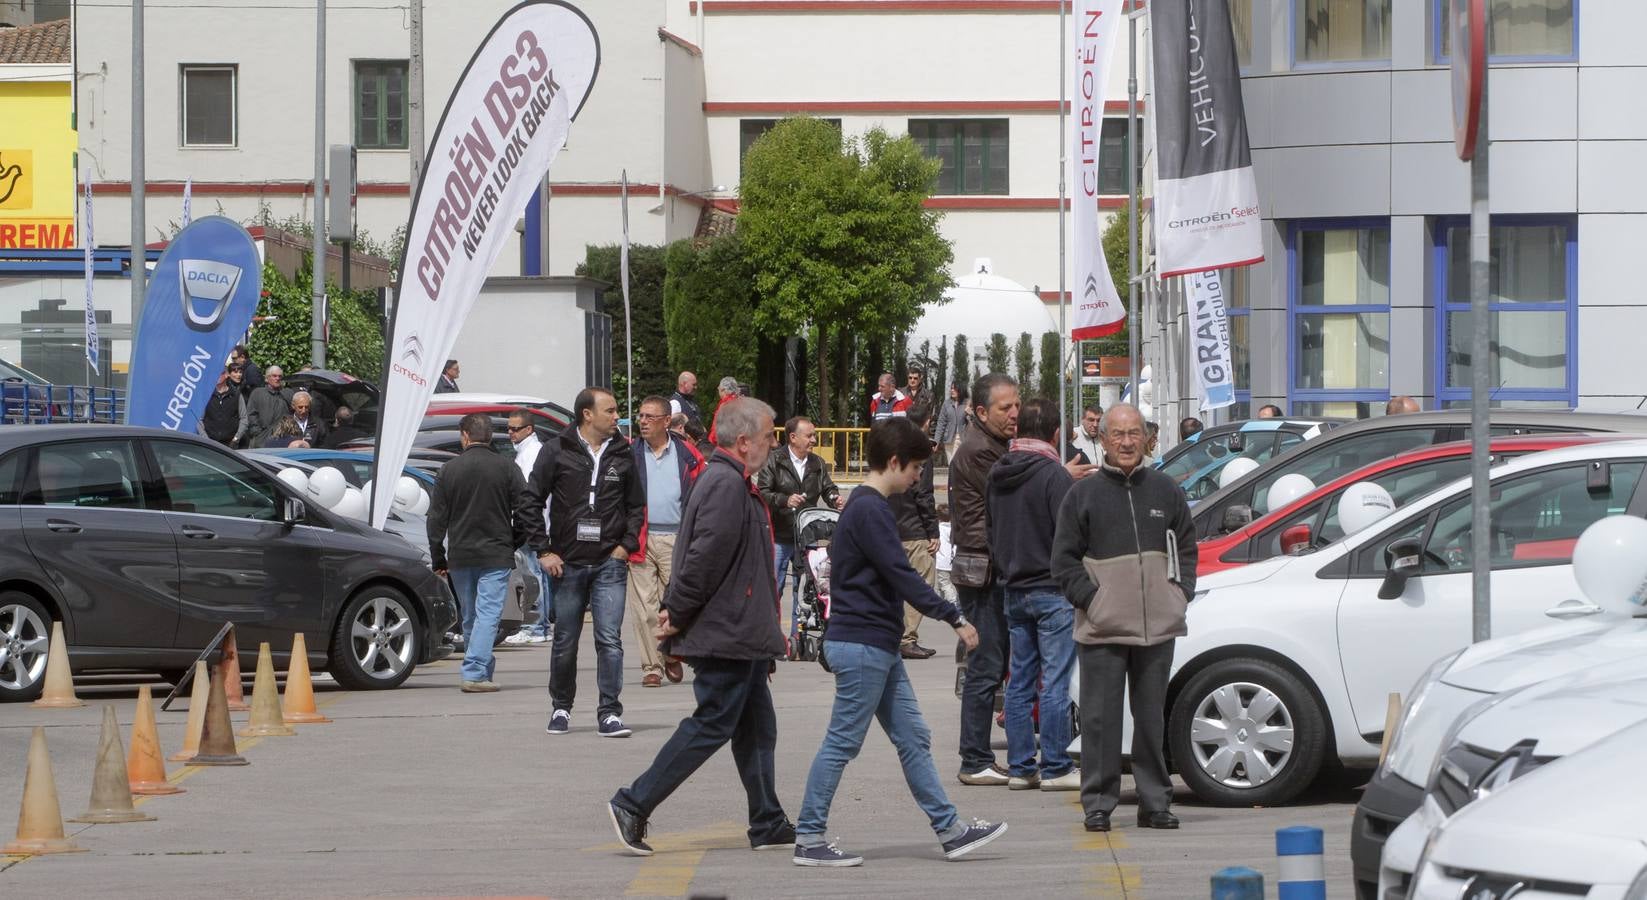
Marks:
<point>793,479</point>
<point>527,445</point>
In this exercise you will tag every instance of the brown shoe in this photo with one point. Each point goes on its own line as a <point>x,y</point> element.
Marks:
<point>652,679</point>
<point>672,670</point>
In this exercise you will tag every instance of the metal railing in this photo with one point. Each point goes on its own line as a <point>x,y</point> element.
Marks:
<point>842,449</point>
<point>22,403</point>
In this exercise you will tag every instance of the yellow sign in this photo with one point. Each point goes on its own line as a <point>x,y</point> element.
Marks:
<point>37,178</point>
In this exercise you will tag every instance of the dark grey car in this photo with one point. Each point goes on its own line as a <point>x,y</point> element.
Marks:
<point>143,542</point>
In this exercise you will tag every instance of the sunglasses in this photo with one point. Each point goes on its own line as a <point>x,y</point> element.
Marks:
<point>515,428</point>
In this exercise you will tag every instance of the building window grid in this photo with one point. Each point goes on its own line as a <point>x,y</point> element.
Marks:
<point>193,125</point>
<point>990,163</point>
<point>1296,310</point>
<point>1299,33</point>
<point>381,105</point>
<point>1447,394</point>
<point>1439,32</point>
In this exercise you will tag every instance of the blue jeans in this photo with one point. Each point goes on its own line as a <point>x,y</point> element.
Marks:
<point>985,667</point>
<point>1042,627</point>
<point>782,556</point>
<point>480,593</point>
<point>871,683</point>
<point>546,598</point>
<point>600,590</point>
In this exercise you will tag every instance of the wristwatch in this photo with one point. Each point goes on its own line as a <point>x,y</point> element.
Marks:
<point>961,622</point>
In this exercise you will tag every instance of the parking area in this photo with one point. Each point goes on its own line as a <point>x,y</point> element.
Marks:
<point>424,791</point>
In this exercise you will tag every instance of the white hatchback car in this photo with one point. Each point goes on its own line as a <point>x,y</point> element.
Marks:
<point>1290,662</point>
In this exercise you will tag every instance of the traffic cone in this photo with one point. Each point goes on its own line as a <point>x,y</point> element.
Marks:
<point>111,795</point>
<point>145,771</point>
<point>40,823</point>
<point>298,706</point>
<point>216,734</point>
<point>265,700</point>
<point>197,714</point>
<point>234,690</point>
<point>59,691</point>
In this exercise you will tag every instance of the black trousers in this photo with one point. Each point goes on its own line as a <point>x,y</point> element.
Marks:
<point>1108,670</point>
<point>734,704</point>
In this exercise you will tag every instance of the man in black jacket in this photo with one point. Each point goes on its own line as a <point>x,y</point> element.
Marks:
<point>794,479</point>
<point>722,616</point>
<point>596,505</point>
<point>916,513</point>
<point>224,418</point>
<point>472,537</point>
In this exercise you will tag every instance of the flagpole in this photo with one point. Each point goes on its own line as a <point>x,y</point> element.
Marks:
<point>628,323</point>
<point>1063,240</point>
<point>1132,203</point>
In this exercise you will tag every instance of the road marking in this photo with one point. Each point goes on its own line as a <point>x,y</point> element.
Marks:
<point>1109,878</point>
<point>677,855</point>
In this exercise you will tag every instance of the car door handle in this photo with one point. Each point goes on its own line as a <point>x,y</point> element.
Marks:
<point>198,533</point>
<point>62,526</point>
<point>1572,609</point>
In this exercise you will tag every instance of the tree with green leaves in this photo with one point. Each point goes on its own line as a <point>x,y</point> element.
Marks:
<point>836,234</point>
<point>1114,242</point>
<point>1052,365</point>
<point>998,354</point>
<point>647,269</point>
<point>708,310</point>
<point>962,364</point>
<point>355,343</point>
<point>1023,359</point>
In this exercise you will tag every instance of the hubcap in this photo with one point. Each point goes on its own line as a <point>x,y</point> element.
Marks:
<point>23,644</point>
<point>381,636</point>
<point>1242,735</point>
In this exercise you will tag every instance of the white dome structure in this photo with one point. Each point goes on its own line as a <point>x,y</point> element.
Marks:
<point>981,304</point>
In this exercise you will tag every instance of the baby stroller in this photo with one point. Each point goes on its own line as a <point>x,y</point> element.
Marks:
<point>813,529</point>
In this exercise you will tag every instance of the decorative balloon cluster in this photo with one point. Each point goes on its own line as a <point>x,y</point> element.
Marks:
<point>1610,564</point>
<point>328,488</point>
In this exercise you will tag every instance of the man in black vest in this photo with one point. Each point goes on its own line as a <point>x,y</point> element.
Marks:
<point>682,402</point>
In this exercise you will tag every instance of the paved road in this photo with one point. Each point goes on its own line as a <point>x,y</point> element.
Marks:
<point>425,791</point>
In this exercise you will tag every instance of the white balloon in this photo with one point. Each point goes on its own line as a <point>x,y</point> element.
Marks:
<point>1610,563</point>
<point>298,480</point>
<point>1234,469</point>
<point>326,487</point>
<point>352,505</point>
<point>1144,409</point>
<point>422,505</point>
<point>1286,489</point>
<point>406,492</point>
<point>1364,503</point>
<point>366,491</point>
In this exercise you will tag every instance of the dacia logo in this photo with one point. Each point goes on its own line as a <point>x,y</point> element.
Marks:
<point>208,281</point>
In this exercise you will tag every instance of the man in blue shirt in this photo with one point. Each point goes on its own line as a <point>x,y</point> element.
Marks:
<point>667,466</point>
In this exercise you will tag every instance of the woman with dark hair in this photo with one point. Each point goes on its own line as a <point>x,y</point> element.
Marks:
<point>952,419</point>
<point>870,580</point>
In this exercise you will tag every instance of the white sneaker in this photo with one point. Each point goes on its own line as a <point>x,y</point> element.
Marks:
<point>1069,781</point>
<point>535,638</point>
<point>518,638</point>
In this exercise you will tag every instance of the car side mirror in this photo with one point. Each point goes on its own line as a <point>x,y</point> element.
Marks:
<point>1402,560</point>
<point>1236,517</point>
<point>292,511</point>
<point>1295,540</point>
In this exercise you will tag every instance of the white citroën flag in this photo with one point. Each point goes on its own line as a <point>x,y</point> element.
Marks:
<point>1094,26</point>
<point>1209,339</point>
<point>503,125</point>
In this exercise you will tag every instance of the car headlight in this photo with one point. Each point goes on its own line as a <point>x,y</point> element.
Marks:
<point>1413,707</point>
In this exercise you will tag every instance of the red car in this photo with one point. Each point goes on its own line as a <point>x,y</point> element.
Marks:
<point>1312,520</point>
<point>442,415</point>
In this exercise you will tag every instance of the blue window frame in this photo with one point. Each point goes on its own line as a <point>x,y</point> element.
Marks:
<point>1238,306</point>
<point>1536,30</point>
<point>1533,307</point>
<point>1338,316</point>
<point>1339,34</point>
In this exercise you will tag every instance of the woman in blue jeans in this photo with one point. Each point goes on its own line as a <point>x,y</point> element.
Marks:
<point>870,580</point>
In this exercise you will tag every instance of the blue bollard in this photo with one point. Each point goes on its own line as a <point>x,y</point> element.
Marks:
<point>1303,874</point>
<point>1237,883</point>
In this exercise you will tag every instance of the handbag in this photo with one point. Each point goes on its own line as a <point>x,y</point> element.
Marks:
<point>969,569</point>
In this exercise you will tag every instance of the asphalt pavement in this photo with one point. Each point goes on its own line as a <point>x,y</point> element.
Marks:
<point>427,792</point>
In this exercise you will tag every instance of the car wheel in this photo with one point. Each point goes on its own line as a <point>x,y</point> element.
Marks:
<point>1246,732</point>
<point>375,644</point>
<point>25,636</point>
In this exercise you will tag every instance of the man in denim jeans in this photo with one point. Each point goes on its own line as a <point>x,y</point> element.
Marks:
<point>596,504</point>
<point>1026,487</point>
<point>471,524</point>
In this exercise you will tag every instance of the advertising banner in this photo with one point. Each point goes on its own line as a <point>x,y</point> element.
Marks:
<point>37,146</point>
<point>91,308</point>
<point>1094,26</point>
<point>1206,201</point>
<point>201,298</point>
<point>1209,339</point>
<point>503,125</point>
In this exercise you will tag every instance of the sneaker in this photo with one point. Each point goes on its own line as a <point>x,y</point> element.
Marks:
<point>780,838</point>
<point>560,722</point>
<point>631,829</point>
<point>540,638</point>
<point>479,687</point>
<point>1024,782</point>
<point>826,855</point>
<point>612,726</point>
<point>988,775</point>
<point>1069,781</point>
<point>976,835</point>
<point>518,638</point>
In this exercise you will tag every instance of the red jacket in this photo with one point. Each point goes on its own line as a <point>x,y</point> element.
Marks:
<point>881,408</point>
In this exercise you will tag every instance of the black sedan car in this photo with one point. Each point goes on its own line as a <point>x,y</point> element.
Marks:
<point>143,542</point>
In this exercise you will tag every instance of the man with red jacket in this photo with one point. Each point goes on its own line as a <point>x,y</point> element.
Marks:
<point>667,466</point>
<point>888,401</point>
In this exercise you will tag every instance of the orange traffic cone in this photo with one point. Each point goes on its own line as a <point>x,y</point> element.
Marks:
<point>111,796</point>
<point>145,771</point>
<point>233,690</point>
<point>298,707</point>
<point>59,691</point>
<point>40,823</point>
<point>197,714</point>
<point>265,700</point>
<point>216,734</point>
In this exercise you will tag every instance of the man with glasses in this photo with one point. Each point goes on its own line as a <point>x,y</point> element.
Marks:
<point>313,429</point>
<point>667,466</point>
<point>527,444</point>
<point>267,405</point>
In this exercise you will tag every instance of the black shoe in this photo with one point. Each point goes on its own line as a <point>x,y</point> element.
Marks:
<point>1161,819</point>
<point>780,838</point>
<point>631,829</point>
<point>926,652</point>
<point>1098,821</point>
<point>911,651</point>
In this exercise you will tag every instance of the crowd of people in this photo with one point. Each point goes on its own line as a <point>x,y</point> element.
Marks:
<point>251,408</point>
<point>690,533</point>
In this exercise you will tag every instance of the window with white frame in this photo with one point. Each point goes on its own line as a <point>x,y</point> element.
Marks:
<point>209,117</point>
<point>1339,312</point>
<point>1517,29</point>
<point>1327,31</point>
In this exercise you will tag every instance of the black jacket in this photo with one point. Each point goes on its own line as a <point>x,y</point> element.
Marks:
<point>562,477</point>
<point>341,435</point>
<point>777,480</point>
<point>915,509</point>
<point>722,594</point>
<point>968,480</point>
<point>223,416</point>
<point>1025,491</point>
<point>314,430</point>
<point>688,405</point>
<point>472,511</point>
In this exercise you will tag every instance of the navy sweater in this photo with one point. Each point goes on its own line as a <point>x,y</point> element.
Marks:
<point>870,578</point>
